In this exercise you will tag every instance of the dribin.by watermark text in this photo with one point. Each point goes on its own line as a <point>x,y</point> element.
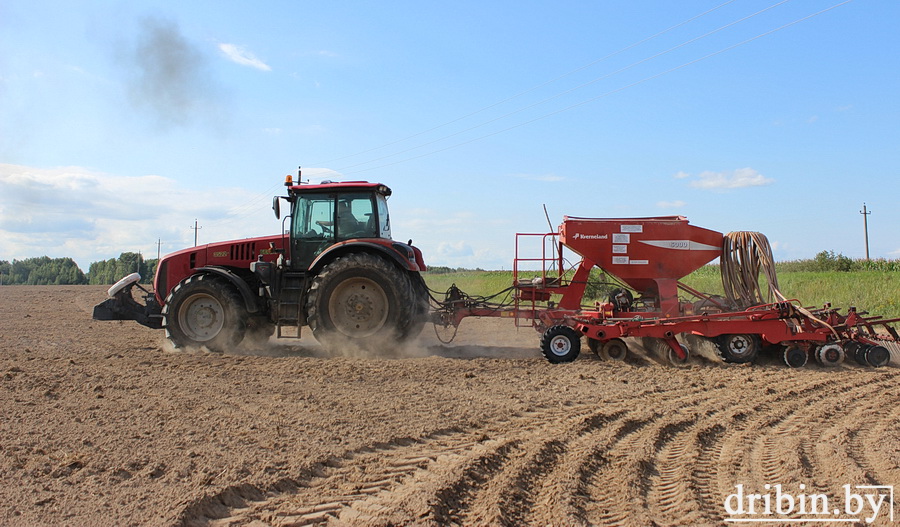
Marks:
<point>776,504</point>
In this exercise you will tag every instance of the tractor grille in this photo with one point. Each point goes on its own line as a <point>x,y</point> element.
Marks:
<point>243,251</point>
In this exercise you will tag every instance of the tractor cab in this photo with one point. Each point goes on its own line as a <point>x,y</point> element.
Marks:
<point>329,213</point>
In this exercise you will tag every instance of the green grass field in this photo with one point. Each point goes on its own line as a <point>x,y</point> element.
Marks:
<point>876,291</point>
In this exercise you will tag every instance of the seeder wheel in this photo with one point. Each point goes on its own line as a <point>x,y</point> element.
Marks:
<point>738,349</point>
<point>830,354</point>
<point>674,360</point>
<point>795,356</point>
<point>561,344</point>
<point>614,349</point>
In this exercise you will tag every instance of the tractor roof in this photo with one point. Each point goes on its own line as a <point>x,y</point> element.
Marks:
<point>341,186</point>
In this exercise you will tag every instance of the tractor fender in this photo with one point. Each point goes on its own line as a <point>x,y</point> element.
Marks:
<point>246,293</point>
<point>404,261</point>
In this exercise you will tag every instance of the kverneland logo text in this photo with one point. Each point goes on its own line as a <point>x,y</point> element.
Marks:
<point>579,236</point>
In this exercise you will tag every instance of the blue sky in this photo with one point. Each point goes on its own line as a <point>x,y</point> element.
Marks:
<point>121,123</point>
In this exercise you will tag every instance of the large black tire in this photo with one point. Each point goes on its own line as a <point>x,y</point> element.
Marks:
<point>738,349</point>
<point>421,307</point>
<point>364,300</point>
<point>203,310</point>
<point>560,344</point>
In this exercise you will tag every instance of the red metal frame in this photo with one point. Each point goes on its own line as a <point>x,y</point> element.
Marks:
<point>650,255</point>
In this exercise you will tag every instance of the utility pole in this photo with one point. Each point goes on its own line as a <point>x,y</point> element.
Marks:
<point>866,227</point>
<point>158,247</point>
<point>196,228</point>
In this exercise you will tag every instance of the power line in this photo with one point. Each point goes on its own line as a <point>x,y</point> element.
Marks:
<point>250,206</point>
<point>533,88</point>
<point>570,90</point>
<point>611,92</point>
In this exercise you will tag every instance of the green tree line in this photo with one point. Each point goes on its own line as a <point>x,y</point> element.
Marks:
<point>110,271</point>
<point>64,271</point>
<point>41,271</point>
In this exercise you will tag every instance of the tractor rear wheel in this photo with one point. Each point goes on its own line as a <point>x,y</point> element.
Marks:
<point>203,310</point>
<point>362,299</point>
<point>421,307</point>
<point>561,344</point>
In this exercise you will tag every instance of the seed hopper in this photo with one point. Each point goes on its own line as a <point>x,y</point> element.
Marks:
<point>647,257</point>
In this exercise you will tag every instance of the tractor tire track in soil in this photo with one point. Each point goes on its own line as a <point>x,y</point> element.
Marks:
<point>669,461</point>
<point>105,427</point>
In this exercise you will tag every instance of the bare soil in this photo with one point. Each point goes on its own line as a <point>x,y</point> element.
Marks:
<point>103,426</point>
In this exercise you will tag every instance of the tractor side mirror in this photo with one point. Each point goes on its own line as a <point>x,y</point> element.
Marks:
<point>276,206</point>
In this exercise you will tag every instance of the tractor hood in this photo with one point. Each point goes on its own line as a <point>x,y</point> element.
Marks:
<point>236,253</point>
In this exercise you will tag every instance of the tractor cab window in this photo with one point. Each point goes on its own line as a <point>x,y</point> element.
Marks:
<point>314,218</point>
<point>356,216</point>
<point>384,220</point>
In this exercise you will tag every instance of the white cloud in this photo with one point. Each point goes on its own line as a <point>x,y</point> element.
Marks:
<point>740,178</point>
<point>451,251</point>
<point>546,178</point>
<point>677,204</point>
<point>243,57</point>
<point>91,216</point>
<point>461,238</point>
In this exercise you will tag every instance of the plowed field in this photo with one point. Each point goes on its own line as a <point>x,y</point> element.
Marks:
<point>103,426</point>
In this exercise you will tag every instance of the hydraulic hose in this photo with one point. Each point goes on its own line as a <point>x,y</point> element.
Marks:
<point>744,255</point>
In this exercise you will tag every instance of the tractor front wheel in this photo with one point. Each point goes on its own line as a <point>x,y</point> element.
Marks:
<point>203,310</point>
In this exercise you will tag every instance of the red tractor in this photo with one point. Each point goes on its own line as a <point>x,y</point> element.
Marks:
<point>336,269</point>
